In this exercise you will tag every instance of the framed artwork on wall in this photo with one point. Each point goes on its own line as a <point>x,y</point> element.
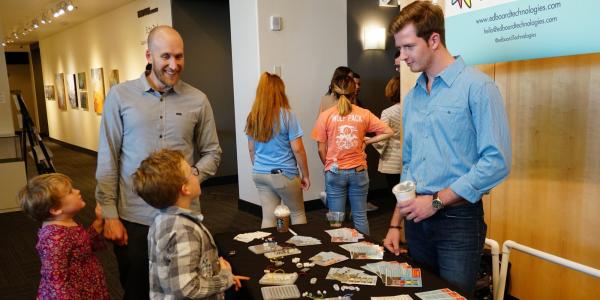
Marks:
<point>60,91</point>
<point>97,79</point>
<point>83,100</point>
<point>72,90</point>
<point>82,85</point>
<point>81,81</point>
<point>49,92</point>
<point>113,78</point>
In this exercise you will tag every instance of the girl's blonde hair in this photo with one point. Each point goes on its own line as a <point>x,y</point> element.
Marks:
<point>344,90</point>
<point>42,193</point>
<point>263,120</point>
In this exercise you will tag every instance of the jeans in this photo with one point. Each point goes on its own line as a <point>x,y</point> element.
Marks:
<point>353,185</point>
<point>273,189</point>
<point>450,242</point>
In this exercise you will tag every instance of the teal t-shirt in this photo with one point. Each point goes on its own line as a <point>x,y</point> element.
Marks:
<point>277,152</point>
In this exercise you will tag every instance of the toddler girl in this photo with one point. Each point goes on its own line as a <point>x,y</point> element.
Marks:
<point>69,268</point>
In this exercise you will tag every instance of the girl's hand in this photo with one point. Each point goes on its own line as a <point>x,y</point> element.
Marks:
<point>98,224</point>
<point>98,211</point>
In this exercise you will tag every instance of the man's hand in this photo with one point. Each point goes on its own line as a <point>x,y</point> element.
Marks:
<point>417,209</point>
<point>115,231</point>
<point>305,183</point>
<point>392,241</point>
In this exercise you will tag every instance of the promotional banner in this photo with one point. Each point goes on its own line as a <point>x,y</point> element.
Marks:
<point>489,31</point>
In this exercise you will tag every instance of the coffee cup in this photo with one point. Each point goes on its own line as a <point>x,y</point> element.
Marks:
<point>282,218</point>
<point>404,191</point>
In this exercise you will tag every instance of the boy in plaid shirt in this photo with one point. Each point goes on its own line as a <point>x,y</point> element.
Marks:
<point>184,262</point>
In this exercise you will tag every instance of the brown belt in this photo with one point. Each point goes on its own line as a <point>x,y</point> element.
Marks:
<point>360,168</point>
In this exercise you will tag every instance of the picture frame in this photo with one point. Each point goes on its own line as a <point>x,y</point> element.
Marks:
<point>59,82</point>
<point>97,81</point>
<point>72,90</point>
<point>49,93</point>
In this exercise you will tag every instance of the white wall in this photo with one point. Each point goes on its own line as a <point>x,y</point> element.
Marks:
<point>21,78</point>
<point>115,40</point>
<point>6,119</point>
<point>311,44</point>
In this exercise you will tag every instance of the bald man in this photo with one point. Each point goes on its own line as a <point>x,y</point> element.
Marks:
<point>153,112</point>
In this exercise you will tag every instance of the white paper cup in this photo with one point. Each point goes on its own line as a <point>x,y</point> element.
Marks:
<point>282,218</point>
<point>404,191</point>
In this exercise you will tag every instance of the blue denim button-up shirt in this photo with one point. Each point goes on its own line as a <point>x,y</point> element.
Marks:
<point>456,136</point>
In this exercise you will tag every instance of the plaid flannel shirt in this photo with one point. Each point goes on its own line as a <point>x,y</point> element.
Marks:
<point>183,258</point>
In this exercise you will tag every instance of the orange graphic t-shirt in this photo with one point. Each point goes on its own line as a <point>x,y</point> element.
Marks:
<point>345,135</point>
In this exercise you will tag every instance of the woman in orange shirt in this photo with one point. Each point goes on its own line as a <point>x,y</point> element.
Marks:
<point>341,135</point>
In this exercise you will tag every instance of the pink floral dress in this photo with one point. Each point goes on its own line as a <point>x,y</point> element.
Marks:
<point>70,270</point>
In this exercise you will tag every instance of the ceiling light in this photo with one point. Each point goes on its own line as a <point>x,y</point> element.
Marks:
<point>70,6</point>
<point>3,44</point>
<point>61,8</point>
<point>49,15</point>
<point>35,24</point>
<point>43,18</point>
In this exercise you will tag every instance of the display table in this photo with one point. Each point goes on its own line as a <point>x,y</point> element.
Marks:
<point>244,262</point>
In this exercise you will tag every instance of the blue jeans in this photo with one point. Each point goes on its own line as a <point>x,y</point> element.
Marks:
<point>353,185</point>
<point>451,243</point>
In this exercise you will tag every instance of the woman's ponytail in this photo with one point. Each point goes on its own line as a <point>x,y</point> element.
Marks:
<point>344,90</point>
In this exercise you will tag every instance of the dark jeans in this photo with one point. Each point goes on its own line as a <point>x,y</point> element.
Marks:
<point>133,262</point>
<point>451,243</point>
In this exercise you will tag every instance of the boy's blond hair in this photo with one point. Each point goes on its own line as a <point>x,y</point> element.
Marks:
<point>159,178</point>
<point>42,193</point>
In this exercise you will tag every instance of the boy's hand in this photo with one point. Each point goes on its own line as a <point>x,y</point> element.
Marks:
<point>224,264</point>
<point>237,281</point>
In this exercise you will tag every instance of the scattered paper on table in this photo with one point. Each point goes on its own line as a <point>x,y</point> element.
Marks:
<point>248,237</point>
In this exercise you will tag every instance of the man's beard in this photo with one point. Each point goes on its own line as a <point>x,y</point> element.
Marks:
<point>160,75</point>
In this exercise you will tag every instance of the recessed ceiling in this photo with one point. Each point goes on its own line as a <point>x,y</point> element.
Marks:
<point>16,14</point>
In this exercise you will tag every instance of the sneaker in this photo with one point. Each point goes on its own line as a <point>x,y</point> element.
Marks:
<point>371,207</point>
<point>323,196</point>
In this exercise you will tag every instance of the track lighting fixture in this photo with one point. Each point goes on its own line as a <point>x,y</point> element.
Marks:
<point>56,10</point>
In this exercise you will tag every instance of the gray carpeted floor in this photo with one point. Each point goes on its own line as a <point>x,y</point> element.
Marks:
<point>19,263</point>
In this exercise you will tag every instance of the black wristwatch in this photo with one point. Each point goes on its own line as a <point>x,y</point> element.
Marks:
<point>437,202</point>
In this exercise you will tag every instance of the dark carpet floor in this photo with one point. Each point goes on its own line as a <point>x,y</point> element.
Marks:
<point>19,263</point>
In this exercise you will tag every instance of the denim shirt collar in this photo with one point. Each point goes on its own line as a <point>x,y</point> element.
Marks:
<point>448,75</point>
<point>176,210</point>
